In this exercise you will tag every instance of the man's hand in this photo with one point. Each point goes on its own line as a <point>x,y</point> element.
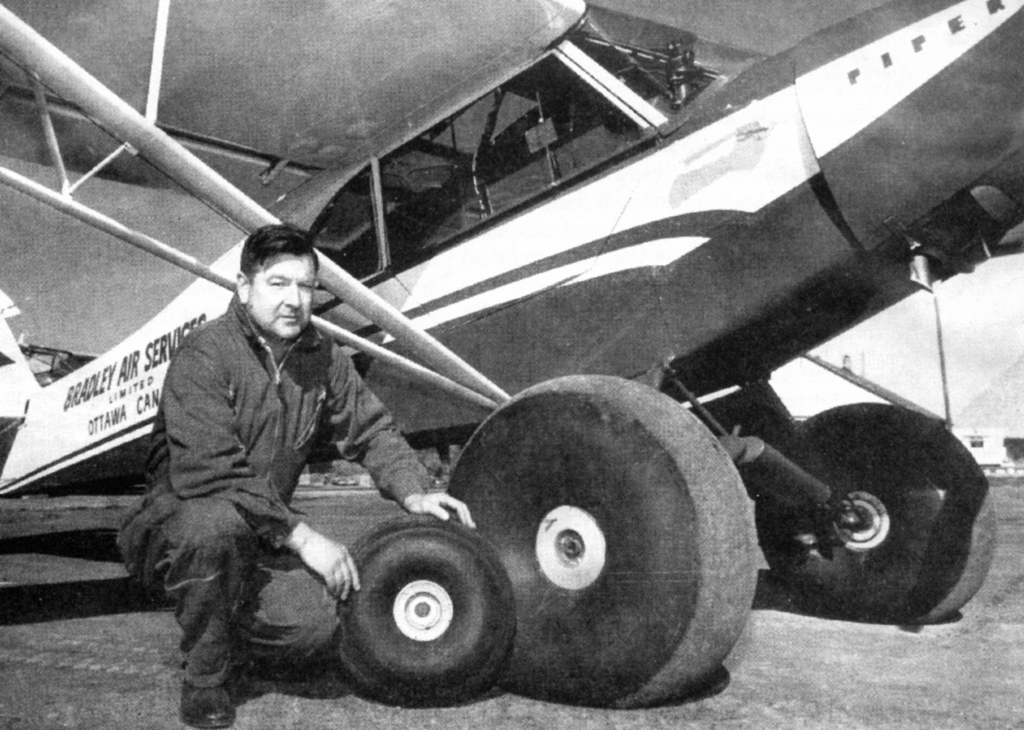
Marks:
<point>434,503</point>
<point>326,558</point>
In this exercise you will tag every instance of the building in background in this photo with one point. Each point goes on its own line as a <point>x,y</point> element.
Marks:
<point>992,424</point>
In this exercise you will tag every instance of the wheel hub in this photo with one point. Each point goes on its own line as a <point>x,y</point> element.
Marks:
<point>865,523</point>
<point>423,610</point>
<point>570,547</point>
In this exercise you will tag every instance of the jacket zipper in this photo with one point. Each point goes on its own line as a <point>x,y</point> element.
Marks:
<point>278,433</point>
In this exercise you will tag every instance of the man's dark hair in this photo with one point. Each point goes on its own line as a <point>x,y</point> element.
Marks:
<point>269,241</point>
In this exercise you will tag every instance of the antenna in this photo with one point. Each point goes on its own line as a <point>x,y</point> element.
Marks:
<point>942,359</point>
<point>922,276</point>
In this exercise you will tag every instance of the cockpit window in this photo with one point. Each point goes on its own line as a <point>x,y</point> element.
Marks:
<point>345,230</point>
<point>533,135</point>
<point>529,136</point>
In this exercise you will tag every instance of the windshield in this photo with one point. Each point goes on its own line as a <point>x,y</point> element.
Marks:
<point>566,117</point>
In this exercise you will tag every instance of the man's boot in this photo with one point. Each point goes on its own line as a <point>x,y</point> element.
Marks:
<point>206,707</point>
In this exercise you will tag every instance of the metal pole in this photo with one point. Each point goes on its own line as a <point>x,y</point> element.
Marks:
<point>76,85</point>
<point>156,70</point>
<point>50,134</point>
<point>942,361</point>
<point>161,250</point>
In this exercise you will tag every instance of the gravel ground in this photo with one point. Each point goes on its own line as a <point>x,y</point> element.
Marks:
<point>80,648</point>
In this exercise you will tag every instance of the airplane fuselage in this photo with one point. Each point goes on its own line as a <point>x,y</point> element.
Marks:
<point>780,213</point>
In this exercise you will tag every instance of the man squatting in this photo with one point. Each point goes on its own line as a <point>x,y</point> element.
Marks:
<point>245,399</point>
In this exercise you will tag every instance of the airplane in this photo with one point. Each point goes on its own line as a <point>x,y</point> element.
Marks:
<point>573,242</point>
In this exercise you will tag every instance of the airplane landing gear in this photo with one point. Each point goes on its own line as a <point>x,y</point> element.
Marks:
<point>864,522</point>
<point>627,535</point>
<point>434,620</point>
<point>915,533</point>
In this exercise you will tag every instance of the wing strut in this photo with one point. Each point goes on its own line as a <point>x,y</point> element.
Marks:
<point>69,80</point>
<point>871,387</point>
<point>51,135</point>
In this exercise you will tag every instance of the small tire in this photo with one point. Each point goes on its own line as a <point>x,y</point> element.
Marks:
<point>434,620</point>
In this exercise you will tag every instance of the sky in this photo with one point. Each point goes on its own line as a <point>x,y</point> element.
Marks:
<point>982,316</point>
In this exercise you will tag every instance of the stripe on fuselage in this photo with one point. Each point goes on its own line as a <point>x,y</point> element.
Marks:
<point>740,163</point>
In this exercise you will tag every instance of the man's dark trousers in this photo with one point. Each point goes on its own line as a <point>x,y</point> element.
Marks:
<point>236,598</point>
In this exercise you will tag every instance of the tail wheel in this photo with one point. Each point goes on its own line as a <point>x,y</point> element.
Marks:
<point>434,619</point>
<point>627,535</point>
<point>921,533</point>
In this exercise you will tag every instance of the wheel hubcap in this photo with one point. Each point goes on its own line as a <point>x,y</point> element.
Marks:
<point>867,524</point>
<point>570,547</point>
<point>423,610</point>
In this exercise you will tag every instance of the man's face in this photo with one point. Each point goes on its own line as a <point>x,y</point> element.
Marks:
<point>279,296</point>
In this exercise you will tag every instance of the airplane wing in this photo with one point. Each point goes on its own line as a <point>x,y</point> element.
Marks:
<point>269,92</point>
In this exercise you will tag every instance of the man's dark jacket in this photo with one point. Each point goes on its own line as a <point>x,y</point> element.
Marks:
<point>233,426</point>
